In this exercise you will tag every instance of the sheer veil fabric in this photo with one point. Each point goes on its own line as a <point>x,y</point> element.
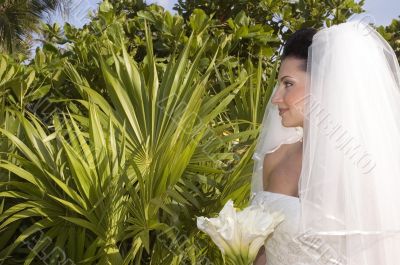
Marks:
<point>350,178</point>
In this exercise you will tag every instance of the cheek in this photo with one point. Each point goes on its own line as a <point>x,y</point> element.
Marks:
<point>295,97</point>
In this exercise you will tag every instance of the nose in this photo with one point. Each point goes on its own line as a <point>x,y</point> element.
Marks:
<point>277,97</point>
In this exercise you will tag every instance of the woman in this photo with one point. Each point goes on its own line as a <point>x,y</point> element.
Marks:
<point>329,150</point>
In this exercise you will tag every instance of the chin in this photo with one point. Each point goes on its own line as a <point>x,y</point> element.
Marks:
<point>291,123</point>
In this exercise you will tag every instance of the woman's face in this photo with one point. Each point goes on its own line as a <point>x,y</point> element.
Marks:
<point>291,91</point>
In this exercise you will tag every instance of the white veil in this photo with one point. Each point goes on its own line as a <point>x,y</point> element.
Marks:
<point>349,186</point>
<point>350,178</point>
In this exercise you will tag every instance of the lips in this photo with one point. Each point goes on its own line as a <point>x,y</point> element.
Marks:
<point>281,111</point>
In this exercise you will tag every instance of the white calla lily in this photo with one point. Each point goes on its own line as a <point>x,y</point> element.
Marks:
<point>240,235</point>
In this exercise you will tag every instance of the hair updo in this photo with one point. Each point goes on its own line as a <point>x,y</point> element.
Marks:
<point>297,45</point>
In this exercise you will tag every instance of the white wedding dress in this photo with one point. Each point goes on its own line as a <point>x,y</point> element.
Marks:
<point>282,248</point>
<point>286,245</point>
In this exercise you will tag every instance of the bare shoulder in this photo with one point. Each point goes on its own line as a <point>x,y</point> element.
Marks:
<point>272,159</point>
<point>281,169</point>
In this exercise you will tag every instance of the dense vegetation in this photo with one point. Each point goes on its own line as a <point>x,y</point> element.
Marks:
<point>117,135</point>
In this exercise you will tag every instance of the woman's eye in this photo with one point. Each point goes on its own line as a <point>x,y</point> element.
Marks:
<point>288,84</point>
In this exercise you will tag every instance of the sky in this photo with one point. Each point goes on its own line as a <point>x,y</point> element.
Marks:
<point>380,12</point>
<point>80,9</point>
<point>383,11</point>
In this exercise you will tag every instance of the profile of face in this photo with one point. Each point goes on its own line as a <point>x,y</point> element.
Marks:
<point>291,91</point>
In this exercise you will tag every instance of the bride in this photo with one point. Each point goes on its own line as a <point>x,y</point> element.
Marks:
<point>328,156</point>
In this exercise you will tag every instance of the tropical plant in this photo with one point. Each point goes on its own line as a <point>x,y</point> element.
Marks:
<point>288,12</point>
<point>115,136</point>
<point>19,18</point>
<point>392,34</point>
<point>283,17</point>
<point>117,175</point>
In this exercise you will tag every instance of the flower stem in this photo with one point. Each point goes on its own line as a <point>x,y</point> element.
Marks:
<point>237,260</point>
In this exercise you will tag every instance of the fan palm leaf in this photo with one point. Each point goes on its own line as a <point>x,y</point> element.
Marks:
<point>123,174</point>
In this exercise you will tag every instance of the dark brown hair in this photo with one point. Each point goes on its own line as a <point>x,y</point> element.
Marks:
<point>297,45</point>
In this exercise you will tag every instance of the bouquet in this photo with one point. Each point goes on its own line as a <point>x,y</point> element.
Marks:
<point>240,234</point>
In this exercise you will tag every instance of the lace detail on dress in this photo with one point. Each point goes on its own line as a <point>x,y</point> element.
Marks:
<point>282,249</point>
<point>282,246</point>
<point>300,132</point>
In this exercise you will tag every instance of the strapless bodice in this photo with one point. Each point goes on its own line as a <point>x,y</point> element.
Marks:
<point>282,247</point>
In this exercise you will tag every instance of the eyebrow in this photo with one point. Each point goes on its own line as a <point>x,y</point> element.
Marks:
<point>283,77</point>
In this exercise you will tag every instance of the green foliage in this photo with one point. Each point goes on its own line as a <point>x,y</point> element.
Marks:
<point>116,136</point>
<point>123,178</point>
<point>392,34</point>
<point>277,14</point>
<point>19,18</point>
